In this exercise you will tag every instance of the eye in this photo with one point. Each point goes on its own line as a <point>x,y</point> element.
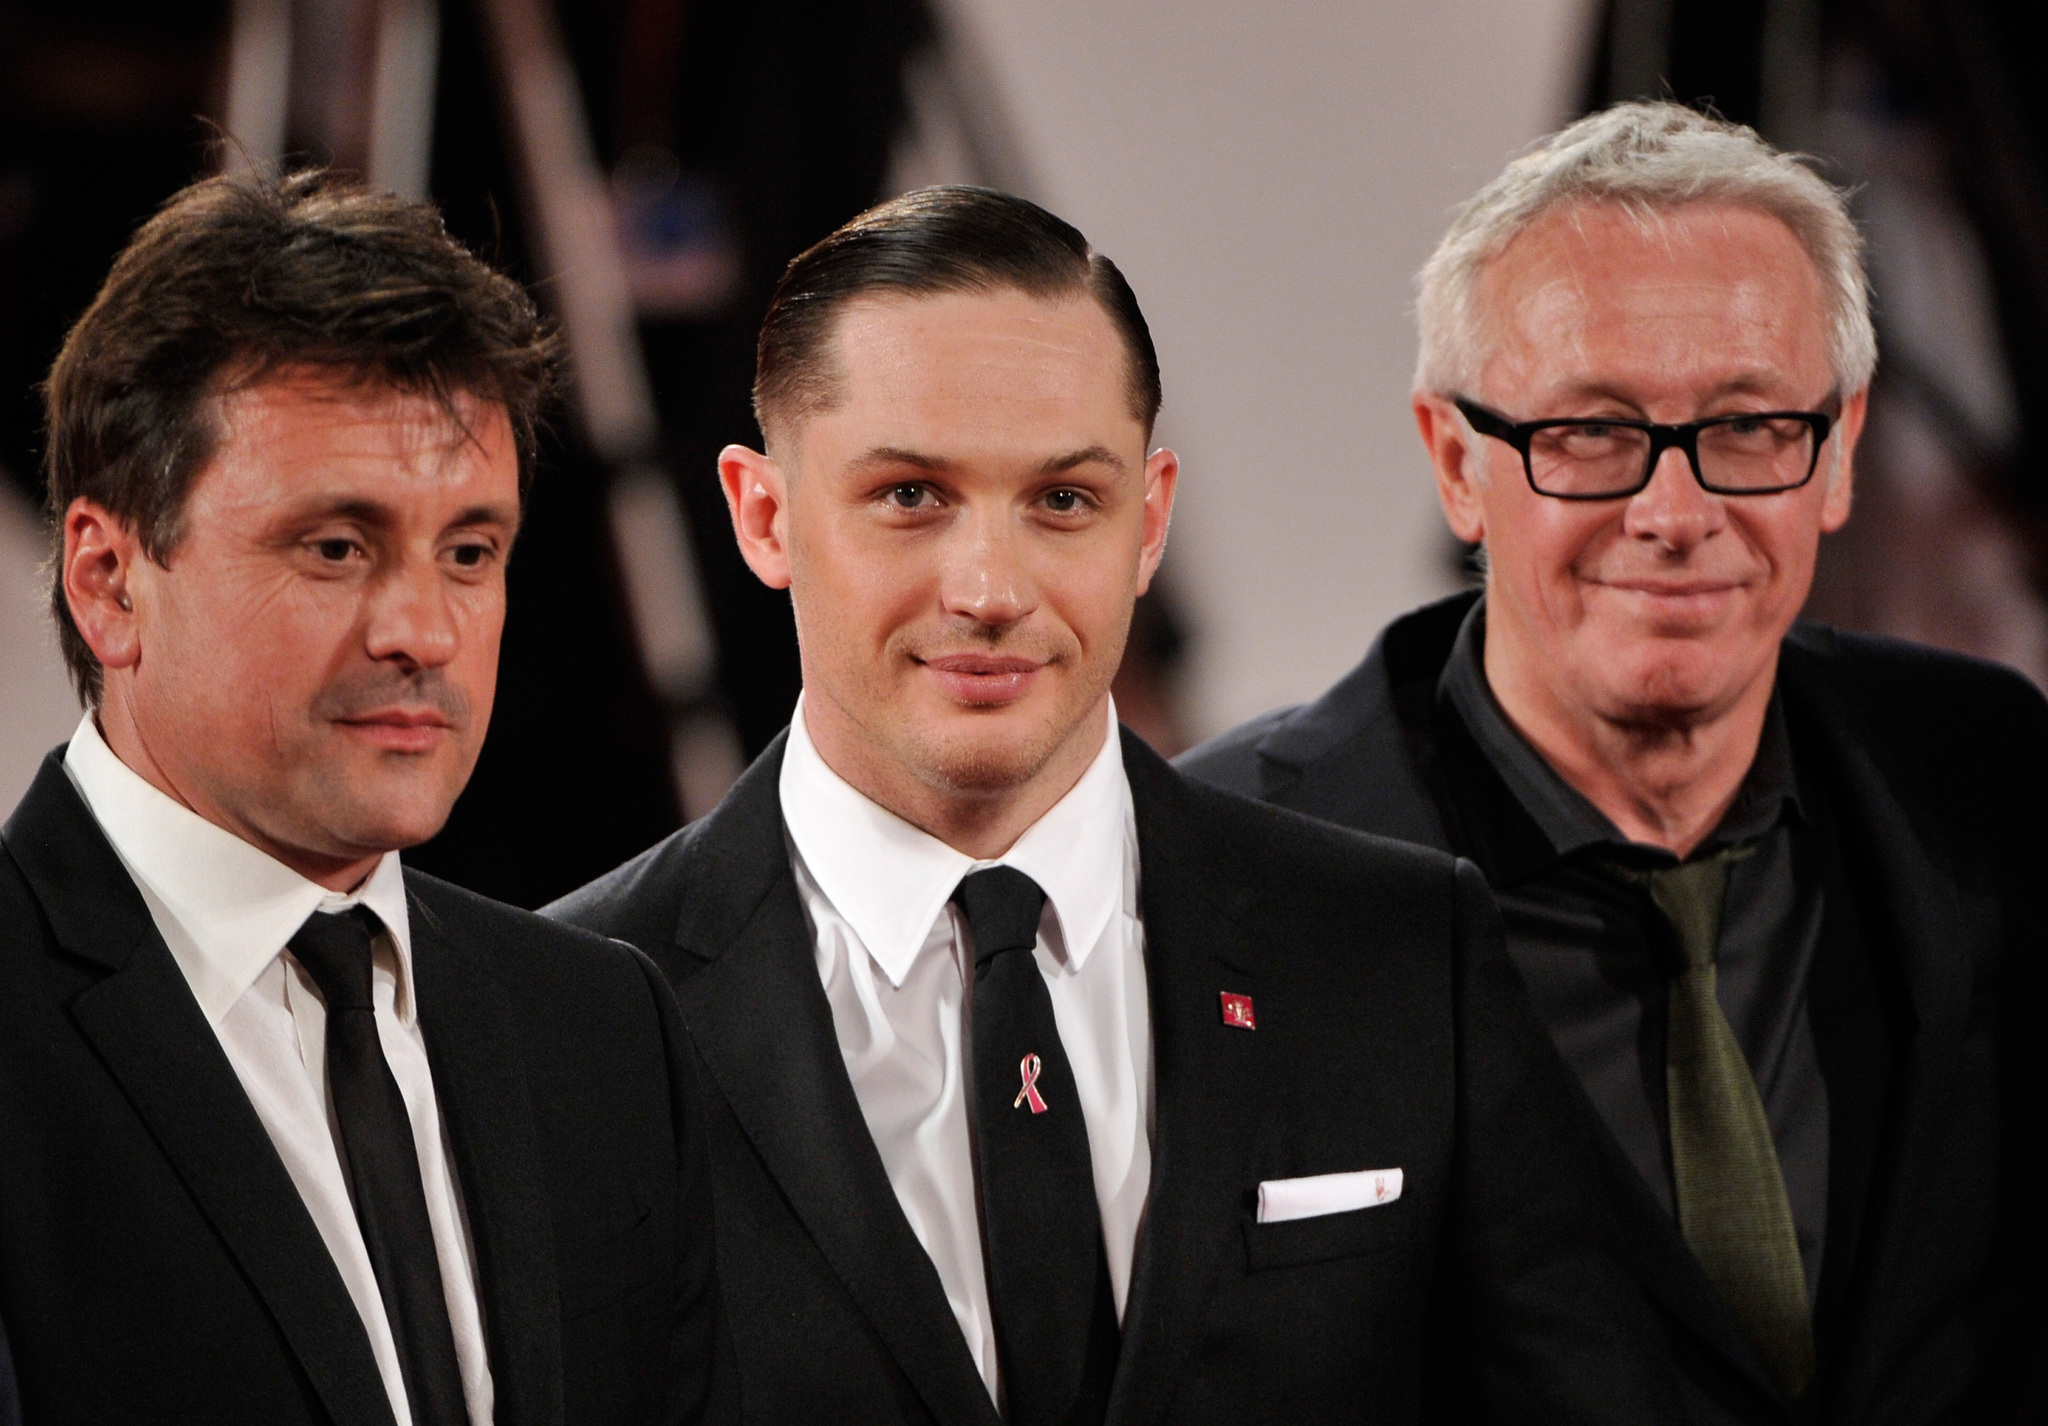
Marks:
<point>1065,502</point>
<point>335,550</point>
<point>909,496</point>
<point>470,556</point>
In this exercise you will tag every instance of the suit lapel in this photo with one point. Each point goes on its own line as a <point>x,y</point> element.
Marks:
<point>1911,909</point>
<point>148,1030</point>
<point>1667,1269</point>
<point>466,1019</point>
<point>747,980</point>
<point>1206,1085</point>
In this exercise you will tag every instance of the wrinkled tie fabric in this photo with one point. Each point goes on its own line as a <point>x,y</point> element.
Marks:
<point>1732,1207</point>
<point>382,1163</point>
<point>1048,1280</point>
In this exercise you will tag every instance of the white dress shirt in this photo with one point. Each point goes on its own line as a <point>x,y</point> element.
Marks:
<point>226,910</point>
<point>877,892</point>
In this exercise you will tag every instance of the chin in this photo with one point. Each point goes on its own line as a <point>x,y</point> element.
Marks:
<point>392,814</point>
<point>993,767</point>
<point>991,758</point>
<point>1672,686</point>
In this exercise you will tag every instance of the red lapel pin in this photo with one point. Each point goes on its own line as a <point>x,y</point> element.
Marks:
<point>1237,1011</point>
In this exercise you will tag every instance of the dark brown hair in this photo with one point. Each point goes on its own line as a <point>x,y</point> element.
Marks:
<point>950,238</point>
<point>235,278</point>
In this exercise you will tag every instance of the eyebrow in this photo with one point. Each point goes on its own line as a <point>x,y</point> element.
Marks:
<point>486,515</point>
<point>1759,382</point>
<point>1052,465</point>
<point>1088,455</point>
<point>371,512</point>
<point>899,455</point>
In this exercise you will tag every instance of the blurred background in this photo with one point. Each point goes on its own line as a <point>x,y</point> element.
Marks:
<point>1269,176</point>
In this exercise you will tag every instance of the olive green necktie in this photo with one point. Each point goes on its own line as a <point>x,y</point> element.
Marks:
<point>1732,1206</point>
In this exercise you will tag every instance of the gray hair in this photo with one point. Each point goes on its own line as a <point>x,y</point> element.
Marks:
<point>1646,158</point>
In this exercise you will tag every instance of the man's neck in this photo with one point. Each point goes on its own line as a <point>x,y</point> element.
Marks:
<point>979,823</point>
<point>1665,784</point>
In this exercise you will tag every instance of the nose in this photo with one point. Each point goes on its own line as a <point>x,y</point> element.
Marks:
<point>1674,510</point>
<point>987,575</point>
<point>411,620</point>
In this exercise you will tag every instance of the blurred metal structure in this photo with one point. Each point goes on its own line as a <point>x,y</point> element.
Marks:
<point>350,80</point>
<point>584,279</point>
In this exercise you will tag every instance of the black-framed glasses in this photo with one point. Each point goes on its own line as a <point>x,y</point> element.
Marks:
<point>1749,453</point>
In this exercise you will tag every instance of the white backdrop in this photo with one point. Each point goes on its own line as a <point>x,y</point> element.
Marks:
<point>1269,174</point>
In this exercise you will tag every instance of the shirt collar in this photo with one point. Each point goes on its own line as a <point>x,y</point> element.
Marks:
<point>891,881</point>
<point>226,909</point>
<point>1571,823</point>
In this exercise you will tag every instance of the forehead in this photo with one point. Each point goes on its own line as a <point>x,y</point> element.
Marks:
<point>306,427</point>
<point>978,368</point>
<point>1704,295</point>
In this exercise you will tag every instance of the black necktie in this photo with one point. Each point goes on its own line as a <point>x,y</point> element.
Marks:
<point>1048,1281</point>
<point>382,1165</point>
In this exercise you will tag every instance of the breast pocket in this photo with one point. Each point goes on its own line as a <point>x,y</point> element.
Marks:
<point>1382,1228</point>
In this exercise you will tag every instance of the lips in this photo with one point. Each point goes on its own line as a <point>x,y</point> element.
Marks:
<point>984,680</point>
<point>1673,588</point>
<point>1679,607</point>
<point>399,730</point>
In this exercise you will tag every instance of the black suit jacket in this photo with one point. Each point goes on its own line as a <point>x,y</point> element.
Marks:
<point>156,1260</point>
<point>10,1401</point>
<point>1932,768</point>
<point>1389,1034</point>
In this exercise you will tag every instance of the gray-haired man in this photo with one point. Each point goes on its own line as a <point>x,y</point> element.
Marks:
<point>1769,886</point>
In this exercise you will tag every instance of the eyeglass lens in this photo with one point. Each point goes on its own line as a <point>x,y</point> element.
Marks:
<point>1597,459</point>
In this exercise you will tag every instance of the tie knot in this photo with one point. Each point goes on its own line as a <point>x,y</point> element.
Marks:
<point>1003,906</point>
<point>334,947</point>
<point>1690,896</point>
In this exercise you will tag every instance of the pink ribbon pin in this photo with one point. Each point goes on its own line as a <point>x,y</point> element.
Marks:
<point>1030,1066</point>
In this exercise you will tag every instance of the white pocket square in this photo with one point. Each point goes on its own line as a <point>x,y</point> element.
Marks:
<point>1282,1199</point>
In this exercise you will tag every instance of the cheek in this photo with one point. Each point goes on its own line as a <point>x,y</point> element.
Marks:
<point>852,591</point>
<point>480,612</point>
<point>1544,545</point>
<point>1089,592</point>
<point>1787,544</point>
<point>250,644</point>
<point>215,632</point>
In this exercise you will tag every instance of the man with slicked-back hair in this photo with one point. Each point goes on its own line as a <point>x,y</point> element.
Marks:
<point>291,1135</point>
<point>1051,1088</point>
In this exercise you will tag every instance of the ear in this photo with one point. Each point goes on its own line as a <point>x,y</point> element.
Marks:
<point>1162,476</point>
<point>1448,441</point>
<point>757,496</point>
<point>101,559</point>
<point>1841,471</point>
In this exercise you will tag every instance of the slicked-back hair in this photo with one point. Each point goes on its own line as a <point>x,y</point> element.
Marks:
<point>237,278</point>
<point>933,241</point>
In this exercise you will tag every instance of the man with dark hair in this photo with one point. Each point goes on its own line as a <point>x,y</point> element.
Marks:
<point>1774,890</point>
<point>1050,1087</point>
<point>294,1134</point>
